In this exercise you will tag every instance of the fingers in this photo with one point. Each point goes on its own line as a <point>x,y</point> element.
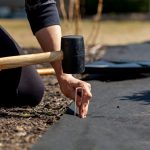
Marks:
<point>87,91</point>
<point>68,85</point>
<point>83,100</point>
<point>83,110</point>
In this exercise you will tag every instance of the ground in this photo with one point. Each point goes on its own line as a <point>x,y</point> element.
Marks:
<point>22,127</point>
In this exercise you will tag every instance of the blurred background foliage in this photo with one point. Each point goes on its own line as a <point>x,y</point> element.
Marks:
<point>99,21</point>
<point>15,8</point>
<point>89,7</point>
<point>126,6</point>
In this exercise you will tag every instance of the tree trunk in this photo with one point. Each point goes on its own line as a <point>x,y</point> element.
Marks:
<point>77,16</point>
<point>71,9</point>
<point>62,9</point>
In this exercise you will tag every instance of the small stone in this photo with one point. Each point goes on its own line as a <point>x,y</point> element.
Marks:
<point>26,115</point>
<point>1,145</point>
<point>19,128</point>
<point>49,121</point>
<point>21,133</point>
<point>118,106</point>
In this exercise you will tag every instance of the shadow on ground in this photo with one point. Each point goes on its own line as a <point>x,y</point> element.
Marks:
<point>113,77</point>
<point>140,96</point>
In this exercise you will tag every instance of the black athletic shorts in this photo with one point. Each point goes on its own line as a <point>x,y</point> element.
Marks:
<point>41,13</point>
<point>19,86</point>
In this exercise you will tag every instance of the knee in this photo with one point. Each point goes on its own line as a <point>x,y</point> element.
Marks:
<point>35,98</point>
<point>31,98</point>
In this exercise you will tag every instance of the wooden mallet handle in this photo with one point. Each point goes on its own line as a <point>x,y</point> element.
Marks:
<point>29,59</point>
<point>46,71</point>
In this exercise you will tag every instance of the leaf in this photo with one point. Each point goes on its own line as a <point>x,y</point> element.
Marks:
<point>26,115</point>
<point>49,113</point>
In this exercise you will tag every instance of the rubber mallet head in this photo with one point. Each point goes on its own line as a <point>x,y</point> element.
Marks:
<point>73,54</point>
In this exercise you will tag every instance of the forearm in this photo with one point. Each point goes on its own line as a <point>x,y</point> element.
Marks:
<point>50,40</point>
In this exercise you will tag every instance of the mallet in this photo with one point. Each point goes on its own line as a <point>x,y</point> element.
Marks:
<point>72,55</point>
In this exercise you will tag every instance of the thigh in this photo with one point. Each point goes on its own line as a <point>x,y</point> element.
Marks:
<point>30,89</point>
<point>19,86</point>
<point>9,79</point>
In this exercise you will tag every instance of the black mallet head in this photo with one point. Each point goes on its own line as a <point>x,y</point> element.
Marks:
<point>73,54</point>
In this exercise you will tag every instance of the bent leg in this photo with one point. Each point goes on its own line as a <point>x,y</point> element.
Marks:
<point>19,86</point>
<point>30,88</point>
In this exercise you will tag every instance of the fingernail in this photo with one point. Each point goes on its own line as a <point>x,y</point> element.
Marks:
<point>83,116</point>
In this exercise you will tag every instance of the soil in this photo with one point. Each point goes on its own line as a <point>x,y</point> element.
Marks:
<point>20,128</point>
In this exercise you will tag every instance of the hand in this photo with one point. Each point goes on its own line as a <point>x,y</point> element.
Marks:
<point>68,85</point>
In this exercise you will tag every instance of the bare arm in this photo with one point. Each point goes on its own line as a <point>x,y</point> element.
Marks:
<point>44,21</point>
<point>50,39</point>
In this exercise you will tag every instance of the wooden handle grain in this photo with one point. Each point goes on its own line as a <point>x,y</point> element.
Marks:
<point>46,71</point>
<point>29,59</point>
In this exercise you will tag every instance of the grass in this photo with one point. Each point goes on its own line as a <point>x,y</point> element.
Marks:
<point>109,32</point>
